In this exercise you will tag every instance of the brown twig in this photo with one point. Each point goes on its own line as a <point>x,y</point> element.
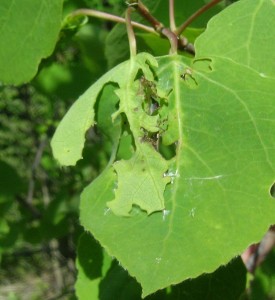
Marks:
<point>34,166</point>
<point>200,11</point>
<point>158,26</point>
<point>144,12</point>
<point>110,17</point>
<point>184,45</point>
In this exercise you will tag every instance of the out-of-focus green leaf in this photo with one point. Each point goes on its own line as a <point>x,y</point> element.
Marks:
<point>72,22</point>
<point>227,282</point>
<point>10,182</point>
<point>117,284</point>
<point>78,63</point>
<point>4,227</point>
<point>107,105</point>
<point>92,265</point>
<point>160,46</point>
<point>263,284</point>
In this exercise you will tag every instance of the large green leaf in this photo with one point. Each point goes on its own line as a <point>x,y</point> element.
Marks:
<point>227,282</point>
<point>29,31</point>
<point>218,201</point>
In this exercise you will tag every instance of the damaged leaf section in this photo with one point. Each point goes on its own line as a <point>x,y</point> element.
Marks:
<point>69,138</point>
<point>141,182</point>
<point>142,104</point>
<point>142,175</point>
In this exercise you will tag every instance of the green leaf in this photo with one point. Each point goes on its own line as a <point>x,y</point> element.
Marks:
<point>10,182</point>
<point>245,42</point>
<point>218,201</point>
<point>29,31</point>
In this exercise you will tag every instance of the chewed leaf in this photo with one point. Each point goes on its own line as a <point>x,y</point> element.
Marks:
<point>136,99</point>
<point>69,138</point>
<point>218,201</point>
<point>141,182</point>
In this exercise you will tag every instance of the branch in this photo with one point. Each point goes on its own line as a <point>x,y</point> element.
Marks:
<point>158,26</point>
<point>110,17</point>
<point>144,12</point>
<point>34,166</point>
<point>200,11</point>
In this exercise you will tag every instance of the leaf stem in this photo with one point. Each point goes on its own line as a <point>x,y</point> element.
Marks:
<point>130,32</point>
<point>173,26</point>
<point>200,11</point>
<point>173,39</point>
<point>110,17</point>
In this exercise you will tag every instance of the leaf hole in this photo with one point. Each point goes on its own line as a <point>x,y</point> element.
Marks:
<point>272,190</point>
<point>204,65</point>
<point>151,100</point>
<point>168,151</point>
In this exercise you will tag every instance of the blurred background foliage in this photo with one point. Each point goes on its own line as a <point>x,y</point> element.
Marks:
<point>39,226</point>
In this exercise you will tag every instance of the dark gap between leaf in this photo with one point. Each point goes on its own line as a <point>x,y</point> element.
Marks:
<point>168,151</point>
<point>272,190</point>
